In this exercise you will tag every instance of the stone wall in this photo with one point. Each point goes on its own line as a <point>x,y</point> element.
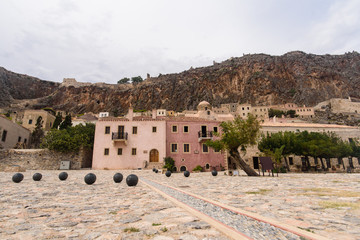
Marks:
<point>42,159</point>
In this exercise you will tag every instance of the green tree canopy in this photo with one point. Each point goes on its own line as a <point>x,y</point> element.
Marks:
<point>66,123</point>
<point>58,120</point>
<point>235,135</point>
<point>137,79</point>
<point>124,80</point>
<point>38,133</point>
<point>70,139</point>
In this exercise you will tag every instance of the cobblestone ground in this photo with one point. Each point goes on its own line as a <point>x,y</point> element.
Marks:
<point>52,209</point>
<point>326,204</point>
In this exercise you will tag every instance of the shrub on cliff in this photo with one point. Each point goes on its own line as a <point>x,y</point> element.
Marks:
<point>70,139</point>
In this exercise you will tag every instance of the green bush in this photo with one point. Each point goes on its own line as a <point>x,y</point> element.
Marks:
<point>169,163</point>
<point>198,168</point>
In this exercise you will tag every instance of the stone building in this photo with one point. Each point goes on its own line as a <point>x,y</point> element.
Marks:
<point>340,105</point>
<point>31,116</point>
<point>12,134</point>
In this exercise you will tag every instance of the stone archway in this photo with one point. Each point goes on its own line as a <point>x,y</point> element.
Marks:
<point>154,156</point>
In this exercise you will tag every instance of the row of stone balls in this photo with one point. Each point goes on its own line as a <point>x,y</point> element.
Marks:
<point>89,179</point>
<point>186,173</point>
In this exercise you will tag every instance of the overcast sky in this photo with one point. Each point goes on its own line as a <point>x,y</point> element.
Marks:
<point>104,41</point>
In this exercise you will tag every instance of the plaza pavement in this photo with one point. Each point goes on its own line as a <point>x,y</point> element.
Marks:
<point>326,204</point>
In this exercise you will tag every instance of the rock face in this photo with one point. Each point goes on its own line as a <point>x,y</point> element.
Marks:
<point>258,79</point>
<point>18,86</point>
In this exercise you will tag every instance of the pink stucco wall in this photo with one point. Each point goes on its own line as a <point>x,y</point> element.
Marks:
<point>195,156</point>
<point>144,141</point>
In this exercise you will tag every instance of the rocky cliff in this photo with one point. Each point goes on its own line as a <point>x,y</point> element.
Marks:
<point>14,86</point>
<point>258,79</point>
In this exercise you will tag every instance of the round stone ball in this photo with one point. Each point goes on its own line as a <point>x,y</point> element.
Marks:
<point>132,180</point>
<point>90,178</point>
<point>18,177</point>
<point>186,173</point>
<point>63,176</point>
<point>156,171</point>
<point>118,177</point>
<point>168,173</point>
<point>37,177</point>
<point>214,172</point>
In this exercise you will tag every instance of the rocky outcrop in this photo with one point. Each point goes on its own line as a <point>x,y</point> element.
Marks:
<point>258,79</point>
<point>18,86</point>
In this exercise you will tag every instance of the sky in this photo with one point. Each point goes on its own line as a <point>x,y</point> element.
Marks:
<point>105,41</point>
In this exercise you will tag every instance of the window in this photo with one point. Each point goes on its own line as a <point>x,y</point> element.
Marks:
<point>217,151</point>
<point>19,139</point>
<point>186,148</point>
<point>50,124</point>
<point>3,138</point>
<point>133,151</point>
<point>215,129</point>
<point>243,108</point>
<point>186,129</point>
<point>30,121</point>
<point>107,130</point>
<point>134,130</point>
<point>154,129</point>
<point>174,148</point>
<point>248,108</point>
<point>25,140</point>
<point>106,151</point>
<point>208,112</point>
<point>291,161</point>
<point>207,166</point>
<point>119,151</point>
<point>205,148</point>
<point>243,114</point>
<point>174,129</point>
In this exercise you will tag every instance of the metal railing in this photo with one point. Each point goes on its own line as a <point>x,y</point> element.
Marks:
<point>207,134</point>
<point>119,136</point>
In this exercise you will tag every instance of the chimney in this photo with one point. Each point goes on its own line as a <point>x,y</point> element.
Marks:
<point>154,114</point>
<point>130,114</point>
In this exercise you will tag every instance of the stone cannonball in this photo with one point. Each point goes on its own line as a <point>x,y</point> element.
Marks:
<point>63,176</point>
<point>132,180</point>
<point>186,173</point>
<point>118,177</point>
<point>168,173</point>
<point>18,177</point>
<point>90,178</point>
<point>214,173</point>
<point>37,177</point>
<point>156,171</point>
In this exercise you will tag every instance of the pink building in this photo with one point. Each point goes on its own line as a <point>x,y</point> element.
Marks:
<point>185,143</point>
<point>129,143</point>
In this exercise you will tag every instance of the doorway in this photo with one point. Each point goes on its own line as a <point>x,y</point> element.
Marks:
<point>154,155</point>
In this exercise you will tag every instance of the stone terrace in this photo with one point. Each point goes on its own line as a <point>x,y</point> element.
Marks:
<point>326,204</point>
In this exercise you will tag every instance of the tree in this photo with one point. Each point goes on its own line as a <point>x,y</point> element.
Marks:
<point>66,123</point>
<point>58,120</point>
<point>276,113</point>
<point>70,139</point>
<point>137,79</point>
<point>169,163</point>
<point>38,133</point>
<point>235,135</point>
<point>124,80</point>
<point>291,113</point>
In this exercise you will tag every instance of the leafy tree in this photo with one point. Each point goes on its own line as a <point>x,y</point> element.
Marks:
<point>291,113</point>
<point>66,123</point>
<point>38,133</point>
<point>70,139</point>
<point>276,141</point>
<point>235,135</point>
<point>137,79</point>
<point>276,113</point>
<point>124,80</point>
<point>169,163</point>
<point>58,120</point>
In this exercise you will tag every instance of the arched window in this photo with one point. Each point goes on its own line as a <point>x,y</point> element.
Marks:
<point>207,166</point>
<point>182,169</point>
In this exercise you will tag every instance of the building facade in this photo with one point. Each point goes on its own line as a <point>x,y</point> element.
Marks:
<point>129,143</point>
<point>31,116</point>
<point>185,143</point>
<point>12,134</point>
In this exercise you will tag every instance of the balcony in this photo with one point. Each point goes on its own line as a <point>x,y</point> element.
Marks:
<point>208,135</point>
<point>119,137</point>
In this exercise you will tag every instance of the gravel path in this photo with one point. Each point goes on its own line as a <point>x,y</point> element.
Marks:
<point>246,225</point>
